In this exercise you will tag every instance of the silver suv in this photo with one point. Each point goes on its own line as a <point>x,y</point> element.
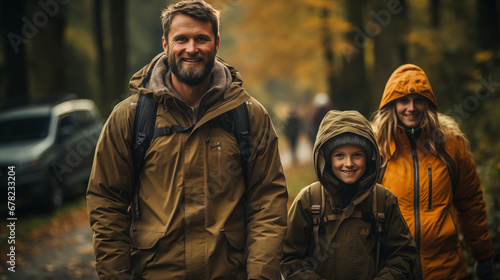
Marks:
<point>49,149</point>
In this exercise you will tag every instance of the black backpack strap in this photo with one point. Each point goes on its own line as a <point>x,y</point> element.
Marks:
<point>144,124</point>
<point>169,130</point>
<point>241,130</point>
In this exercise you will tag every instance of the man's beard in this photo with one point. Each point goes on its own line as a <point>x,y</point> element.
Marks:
<point>191,75</point>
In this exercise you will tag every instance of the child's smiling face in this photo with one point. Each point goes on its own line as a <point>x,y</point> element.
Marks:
<point>348,163</point>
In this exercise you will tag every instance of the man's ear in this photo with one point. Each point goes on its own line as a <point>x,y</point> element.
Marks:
<point>217,43</point>
<point>164,44</point>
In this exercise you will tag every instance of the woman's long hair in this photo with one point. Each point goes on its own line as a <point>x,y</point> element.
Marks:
<point>441,127</point>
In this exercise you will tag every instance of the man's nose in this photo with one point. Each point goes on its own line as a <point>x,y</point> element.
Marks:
<point>191,47</point>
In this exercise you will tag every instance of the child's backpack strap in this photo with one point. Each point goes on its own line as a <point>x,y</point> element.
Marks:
<point>318,202</point>
<point>317,210</point>
<point>379,214</point>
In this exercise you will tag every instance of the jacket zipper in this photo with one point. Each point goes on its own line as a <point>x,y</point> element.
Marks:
<point>219,151</point>
<point>430,188</point>
<point>416,199</point>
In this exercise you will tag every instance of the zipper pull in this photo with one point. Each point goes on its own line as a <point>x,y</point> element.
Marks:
<point>218,146</point>
<point>413,134</point>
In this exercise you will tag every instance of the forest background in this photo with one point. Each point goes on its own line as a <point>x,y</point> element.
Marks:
<point>288,52</point>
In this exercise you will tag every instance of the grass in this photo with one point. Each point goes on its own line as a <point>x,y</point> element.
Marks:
<point>298,177</point>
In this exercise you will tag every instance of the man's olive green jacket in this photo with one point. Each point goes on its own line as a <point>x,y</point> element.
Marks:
<point>197,218</point>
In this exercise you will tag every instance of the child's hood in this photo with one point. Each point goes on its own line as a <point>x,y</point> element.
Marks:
<point>334,124</point>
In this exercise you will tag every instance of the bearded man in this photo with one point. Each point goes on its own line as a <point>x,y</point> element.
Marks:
<point>200,216</point>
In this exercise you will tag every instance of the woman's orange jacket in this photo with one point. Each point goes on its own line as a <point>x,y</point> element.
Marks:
<point>435,208</point>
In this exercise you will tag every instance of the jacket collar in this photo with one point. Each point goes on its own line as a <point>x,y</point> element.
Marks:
<point>401,139</point>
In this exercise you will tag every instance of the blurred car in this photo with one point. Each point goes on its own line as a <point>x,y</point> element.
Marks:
<point>50,148</point>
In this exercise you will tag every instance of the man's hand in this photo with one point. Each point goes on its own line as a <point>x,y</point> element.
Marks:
<point>484,269</point>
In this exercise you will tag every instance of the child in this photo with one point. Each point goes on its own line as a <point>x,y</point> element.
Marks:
<point>346,226</point>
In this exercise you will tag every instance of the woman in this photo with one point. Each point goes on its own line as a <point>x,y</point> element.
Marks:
<point>429,167</point>
<point>346,226</point>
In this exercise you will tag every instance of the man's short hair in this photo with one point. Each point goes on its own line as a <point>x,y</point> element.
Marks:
<point>197,9</point>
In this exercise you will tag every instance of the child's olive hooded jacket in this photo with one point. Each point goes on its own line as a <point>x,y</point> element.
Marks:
<point>348,245</point>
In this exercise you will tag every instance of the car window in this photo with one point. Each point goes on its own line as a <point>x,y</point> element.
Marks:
<point>83,118</point>
<point>67,126</point>
<point>20,129</point>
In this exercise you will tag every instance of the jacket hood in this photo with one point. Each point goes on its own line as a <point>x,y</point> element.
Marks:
<point>334,124</point>
<point>407,79</point>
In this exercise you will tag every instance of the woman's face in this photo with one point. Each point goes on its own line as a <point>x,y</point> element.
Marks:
<point>348,163</point>
<point>410,109</point>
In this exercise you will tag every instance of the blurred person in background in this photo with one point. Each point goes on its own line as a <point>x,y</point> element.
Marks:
<point>321,106</point>
<point>429,167</point>
<point>292,131</point>
<point>200,216</point>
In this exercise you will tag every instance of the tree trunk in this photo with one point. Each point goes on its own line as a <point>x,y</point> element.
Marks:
<point>101,54</point>
<point>487,25</point>
<point>47,56</point>
<point>353,91</point>
<point>118,52</point>
<point>328,54</point>
<point>435,9</point>
<point>13,76</point>
<point>389,45</point>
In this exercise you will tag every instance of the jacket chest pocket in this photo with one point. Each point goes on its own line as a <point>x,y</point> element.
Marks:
<point>223,164</point>
<point>351,252</point>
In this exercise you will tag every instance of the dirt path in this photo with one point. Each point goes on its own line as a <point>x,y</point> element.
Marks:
<point>69,256</point>
<point>60,249</point>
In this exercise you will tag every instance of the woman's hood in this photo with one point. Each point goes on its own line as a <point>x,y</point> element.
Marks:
<point>334,124</point>
<point>407,79</point>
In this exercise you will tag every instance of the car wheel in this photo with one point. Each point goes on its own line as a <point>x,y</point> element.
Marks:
<point>55,193</point>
